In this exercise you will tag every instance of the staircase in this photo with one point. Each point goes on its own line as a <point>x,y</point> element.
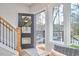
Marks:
<point>9,38</point>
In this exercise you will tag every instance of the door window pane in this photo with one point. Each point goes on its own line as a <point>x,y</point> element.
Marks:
<point>26,29</point>
<point>26,40</point>
<point>26,21</point>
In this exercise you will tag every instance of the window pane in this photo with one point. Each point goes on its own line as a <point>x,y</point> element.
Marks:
<point>26,40</point>
<point>75,24</point>
<point>58,24</point>
<point>40,27</point>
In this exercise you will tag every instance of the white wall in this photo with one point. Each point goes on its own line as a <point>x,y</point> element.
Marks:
<point>10,11</point>
<point>37,7</point>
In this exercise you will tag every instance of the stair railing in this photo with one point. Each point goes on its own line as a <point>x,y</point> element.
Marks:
<point>10,36</point>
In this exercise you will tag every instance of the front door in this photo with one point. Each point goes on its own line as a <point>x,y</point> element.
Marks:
<point>26,22</point>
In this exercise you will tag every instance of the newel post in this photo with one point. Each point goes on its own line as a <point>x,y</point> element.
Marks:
<point>18,40</point>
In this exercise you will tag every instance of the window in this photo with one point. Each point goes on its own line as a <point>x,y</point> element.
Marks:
<point>75,24</point>
<point>58,27</point>
<point>40,27</point>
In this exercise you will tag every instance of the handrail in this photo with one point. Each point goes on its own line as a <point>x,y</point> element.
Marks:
<point>1,18</point>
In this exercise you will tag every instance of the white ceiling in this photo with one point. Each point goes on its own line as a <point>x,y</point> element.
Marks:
<point>29,4</point>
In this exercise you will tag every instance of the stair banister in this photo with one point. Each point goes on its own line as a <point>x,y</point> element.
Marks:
<point>12,30</point>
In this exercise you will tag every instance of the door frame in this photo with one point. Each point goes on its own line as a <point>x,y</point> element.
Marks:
<point>28,34</point>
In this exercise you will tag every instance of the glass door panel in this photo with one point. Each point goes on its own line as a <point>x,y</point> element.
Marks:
<point>26,40</point>
<point>27,29</point>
